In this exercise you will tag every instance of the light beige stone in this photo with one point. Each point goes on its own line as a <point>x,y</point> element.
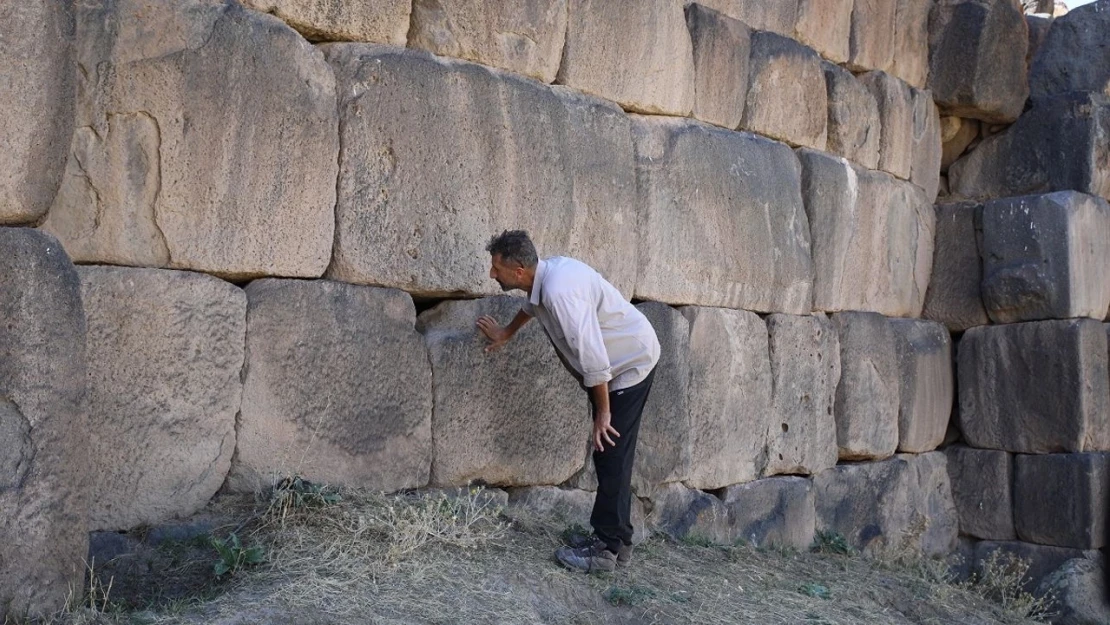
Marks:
<point>787,99</point>
<point>911,41</point>
<point>777,16</point>
<point>926,148</point>
<point>896,118</point>
<point>636,54</point>
<point>210,145</point>
<point>377,21</point>
<point>869,392</point>
<point>338,388</point>
<point>825,26</point>
<point>37,96</point>
<point>722,47</point>
<point>507,152</point>
<point>854,128</point>
<point>522,36</point>
<point>871,42</point>
<point>957,135</point>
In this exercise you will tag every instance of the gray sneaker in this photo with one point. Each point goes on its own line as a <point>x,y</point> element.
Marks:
<point>624,554</point>
<point>589,559</point>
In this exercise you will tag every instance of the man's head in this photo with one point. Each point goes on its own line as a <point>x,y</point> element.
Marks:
<point>513,260</point>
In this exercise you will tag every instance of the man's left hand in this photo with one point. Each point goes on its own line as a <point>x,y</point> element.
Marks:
<point>604,431</point>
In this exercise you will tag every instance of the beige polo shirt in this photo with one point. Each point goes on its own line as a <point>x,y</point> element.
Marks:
<point>599,335</point>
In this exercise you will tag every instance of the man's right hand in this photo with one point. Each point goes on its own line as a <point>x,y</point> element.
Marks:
<point>493,331</point>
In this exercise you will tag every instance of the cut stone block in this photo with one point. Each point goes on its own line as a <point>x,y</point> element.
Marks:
<point>570,506</point>
<point>911,41</point>
<point>377,21</point>
<point>1079,587</point>
<point>37,96</point>
<point>1038,387</point>
<point>1073,55</point>
<point>730,397</point>
<point>44,458</point>
<point>871,42</point>
<point>338,388</point>
<point>977,59</point>
<point>522,36</point>
<point>722,47</point>
<point>825,26</point>
<point>805,371</point>
<point>772,512</point>
<point>1042,560</point>
<point>854,128</point>
<point>1039,25</point>
<point>174,165</point>
<point>957,134</point>
<point>777,16</point>
<point>872,238</point>
<point>164,350</point>
<point>732,195</point>
<point>787,99</point>
<point>1058,145</point>
<point>1046,257</point>
<point>1061,499</point>
<point>682,512</point>
<point>525,433</point>
<point>651,71</point>
<point>868,395</point>
<point>926,148</point>
<point>953,297</point>
<point>896,118</point>
<point>927,386</point>
<point>406,113</point>
<point>982,482</point>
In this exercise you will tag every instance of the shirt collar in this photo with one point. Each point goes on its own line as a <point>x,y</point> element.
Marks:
<point>537,282</point>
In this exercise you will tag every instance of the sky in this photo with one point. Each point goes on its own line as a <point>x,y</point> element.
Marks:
<point>1077,3</point>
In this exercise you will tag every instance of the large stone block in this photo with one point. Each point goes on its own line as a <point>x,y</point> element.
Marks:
<point>872,238</point>
<point>825,26</point>
<point>854,128</point>
<point>682,512</point>
<point>722,47</point>
<point>44,456</point>
<point>377,21</point>
<point>977,58</point>
<point>868,395</point>
<point>1046,257</point>
<point>338,388</point>
<point>1041,560</point>
<point>522,36</point>
<point>787,99</point>
<point>1038,387</point>
<point>911,41</point>
<point>1079,588</point>
<point>934,489</point>
<point>1061,499</point>
<point>871,42</point>
<point>570,506</point>
<point>896,119</point>
<point>1058,145</point>
<point>805,371</point>
<point>926,148</point>
<point>953,297</point>
<point>730,397</point>
<point>164,350</point>
<point>927,386</point>
<point>423,182</point>
<point>1073,54</point>
<point>777,16</point>
<point>732,196</point>
<point>651,71</point>
<point>37,97</point>
<point>982,482</point>
<point>772,512</point>
<point>529,431</point>
<point>206,140</point>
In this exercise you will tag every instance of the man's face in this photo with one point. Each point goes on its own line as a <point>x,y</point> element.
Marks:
<point>509,275</point>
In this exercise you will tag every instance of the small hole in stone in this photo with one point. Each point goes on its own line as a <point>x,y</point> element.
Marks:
<point>785,427</point>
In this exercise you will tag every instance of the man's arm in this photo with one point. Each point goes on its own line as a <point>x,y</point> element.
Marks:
<point>602,417</point>
<point>497,335</point>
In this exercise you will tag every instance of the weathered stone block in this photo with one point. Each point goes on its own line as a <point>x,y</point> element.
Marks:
<point>733,193</point>
<point>1038,387</point>
<point>722,47</point>
<point>896,118</point>
<point>570,506</point>
<point>953,297</point>
<point>44,457</point>
<point>173,165</point>
<point>651,71</point>
<point>825,26</point>
<point>529,432</point>
<point>377,21</point>
<point>730,397</point>
<point>1079,588</point>
<point>1046,257</point>
<point>926,148</point>
<point>1072,56</point>
<point>934,490</point>
<point>338,388</point>
<point>522,36</point>
<point>977,58</point>
<point>854,128</point>
<point>1061,499</point>
<point>871,42</point>
<point>927,386</point>
<point>37,97</point>
<point>868,395</point>
<point>982,482</point>
<point>164,350</point>
<point>1058,145</point>
<point>682,512</point>
<point>1039,25</point>
<point>772,512</point>
<point>1042,560</point>
<point>777,16</point>
<point>911,41</point>
<point>786,92</point>
<point>805,371</point>
<point>407,113</point>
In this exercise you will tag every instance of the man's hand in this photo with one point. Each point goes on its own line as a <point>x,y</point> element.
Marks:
<point>497,335</point>
<point>602,431</point>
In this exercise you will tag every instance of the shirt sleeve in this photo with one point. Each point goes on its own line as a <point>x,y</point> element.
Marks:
<point>582,331</point>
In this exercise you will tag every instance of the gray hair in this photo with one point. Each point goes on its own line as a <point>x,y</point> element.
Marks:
<point>514,246</point>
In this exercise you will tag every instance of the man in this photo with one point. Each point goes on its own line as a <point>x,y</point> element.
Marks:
<point>611,348</point>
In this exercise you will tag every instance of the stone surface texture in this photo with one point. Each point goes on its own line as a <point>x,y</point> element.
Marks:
<point>682,512</point>
<point>786,98</point>
<point>896,119</point>
<point>1079,586</point>
<point>926,148</point>
<point>772,512</point>
<point>927,387</point>
<point>722,51</point>
<point>1072,56</point>
<point>868,395</point>
<point>854,128</point>
<point>777,16</point>
<point>911,41</point>
<point>871,42</point>
<point>954,297</point>
<point>1061,499</point>
<point>825,26</point>
<point>376,21</point>
<point>982,491</point>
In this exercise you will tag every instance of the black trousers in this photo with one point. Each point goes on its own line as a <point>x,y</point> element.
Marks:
<point>612,514</point>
